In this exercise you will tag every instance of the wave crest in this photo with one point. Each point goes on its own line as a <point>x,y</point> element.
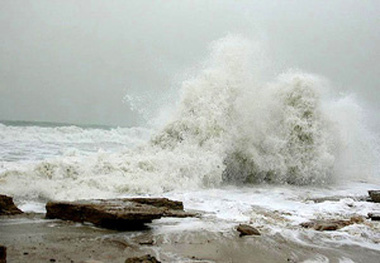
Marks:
<point>230,127</point>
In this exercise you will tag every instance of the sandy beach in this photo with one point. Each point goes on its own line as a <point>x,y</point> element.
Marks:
<point>31,238</point>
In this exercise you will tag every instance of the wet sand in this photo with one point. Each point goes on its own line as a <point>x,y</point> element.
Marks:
<point>31,238</point>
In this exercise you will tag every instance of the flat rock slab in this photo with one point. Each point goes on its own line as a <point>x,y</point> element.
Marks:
<point>143,259</point>
<point>121,214</point>
<point>375,195</point>
<point>7,207</point>
<point>332,225</point>
<point>158,202</point>
<point>247,230</point>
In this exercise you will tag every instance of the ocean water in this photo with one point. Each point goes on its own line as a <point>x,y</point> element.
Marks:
<point>236,145</point>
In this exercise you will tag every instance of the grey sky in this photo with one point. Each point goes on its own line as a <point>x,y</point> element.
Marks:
<point>73,61</point>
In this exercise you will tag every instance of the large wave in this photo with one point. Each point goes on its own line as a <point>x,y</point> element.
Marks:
<point>230,127</point>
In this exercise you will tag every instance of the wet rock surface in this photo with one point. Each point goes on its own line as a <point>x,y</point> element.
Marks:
<point>331,225</point>
<point>374,195</point>
<point>7,207</point>
<point>143,259</point>
<point>158,202</point>
<point>247,230</point>
<point>120,214</point>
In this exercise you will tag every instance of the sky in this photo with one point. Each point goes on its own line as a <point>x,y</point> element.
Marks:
<point>74,61</point>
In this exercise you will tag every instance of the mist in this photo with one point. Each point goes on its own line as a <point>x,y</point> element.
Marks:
<point>74,61</point>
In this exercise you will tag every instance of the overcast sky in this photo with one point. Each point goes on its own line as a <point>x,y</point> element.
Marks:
<point>74,61</point>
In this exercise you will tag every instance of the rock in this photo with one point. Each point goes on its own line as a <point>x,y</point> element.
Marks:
<point>121,214</point>
<point>143,259</point>
<point>7,207</point>
<point>179,213</point>
<point>332,225</point>
<point>246,230</point>
<point>374,216</point>
<point>170,208</point>
<point>3,254</point>
<point>375,195</point>
<point>146,242</point>
<point>328,226</point>
<point>159,202</point>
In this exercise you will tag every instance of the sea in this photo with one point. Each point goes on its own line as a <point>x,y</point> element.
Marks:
<point>238,148</point>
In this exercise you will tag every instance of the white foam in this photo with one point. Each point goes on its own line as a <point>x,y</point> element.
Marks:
<point>30,143</point>
<point>229,127</point>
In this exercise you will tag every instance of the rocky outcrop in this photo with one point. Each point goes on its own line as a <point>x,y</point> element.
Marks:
<point>331,225</point>
<point>247,230</point>
<point>3,254</point>
<point>143,259</point>
<point>374,195</point>
<point>374,216</point>
<point>122,214</point>
<point>7,207</point>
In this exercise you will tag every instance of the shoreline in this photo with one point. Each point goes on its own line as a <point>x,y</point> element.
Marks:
<point>31,238</point>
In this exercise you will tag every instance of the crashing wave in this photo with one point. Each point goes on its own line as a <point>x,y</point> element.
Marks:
<point>230,127</point>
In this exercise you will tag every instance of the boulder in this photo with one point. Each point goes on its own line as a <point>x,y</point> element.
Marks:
<point>332,225</point>
<point>121,214</point>
<point>7,207</point>
<point>3,254</point>
<point>374,216</point>
<point>375,195</point>
<point>143,259</point>
<point>247,230</point>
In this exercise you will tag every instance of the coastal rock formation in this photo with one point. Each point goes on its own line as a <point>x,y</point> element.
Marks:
<point>375,195</point>
<point>7,207</point>
<point>143,259</point>
<point>121,214</point>
<point>331,225</point>
<point>247,230</point>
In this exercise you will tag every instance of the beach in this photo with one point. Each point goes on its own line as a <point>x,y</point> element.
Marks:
<point>210,236</point>
<point>30,238</point>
